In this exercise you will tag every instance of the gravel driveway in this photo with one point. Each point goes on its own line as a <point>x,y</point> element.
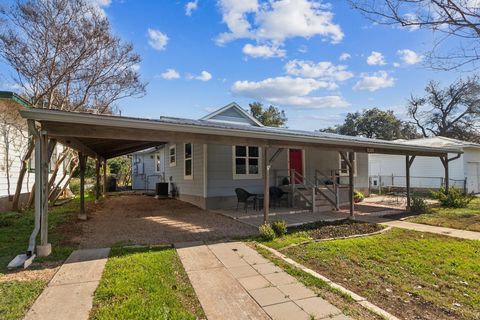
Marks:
<point>145,220</point>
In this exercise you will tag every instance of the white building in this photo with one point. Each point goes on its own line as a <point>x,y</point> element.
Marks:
<point>428,172</point>
<point>13,145</point>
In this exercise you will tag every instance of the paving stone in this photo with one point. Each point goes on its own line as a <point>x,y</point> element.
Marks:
<point>81,266</point>
<point>296,291</point>
<point>286,311</point>
<point>255,282</point>
<point>222,296</point>
<point>198,258</point>
<point>242,271</point>
<point>266,268</point>
<point>268,296</point>
<point>227,256</point>
<point>255,259</point>
<point>280,278</point>
<point>317,307</point>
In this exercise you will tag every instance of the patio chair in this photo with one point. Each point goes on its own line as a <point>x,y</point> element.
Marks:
<point>243,196</point>
<point>277,195</point>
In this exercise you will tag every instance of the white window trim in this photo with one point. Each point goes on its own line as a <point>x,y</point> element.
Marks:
<point>157,158</point>
<point>174,163</point>
<point>340,165</point>
<point>185,177</point>
<point>248,176</point>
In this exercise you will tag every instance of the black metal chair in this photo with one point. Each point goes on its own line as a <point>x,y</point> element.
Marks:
<point>277,195</point>
<point>243,196</point>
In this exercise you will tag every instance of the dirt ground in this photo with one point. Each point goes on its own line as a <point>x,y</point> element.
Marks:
<point>140,219</point>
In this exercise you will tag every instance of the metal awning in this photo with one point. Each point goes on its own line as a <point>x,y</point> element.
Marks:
<point>109,136</point>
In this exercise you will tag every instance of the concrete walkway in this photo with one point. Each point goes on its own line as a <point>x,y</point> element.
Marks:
<point>456,233</point>
<point>233,281</point>
<point>69,294</point>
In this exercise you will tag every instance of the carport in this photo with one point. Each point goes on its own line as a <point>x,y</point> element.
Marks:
<point>106,136</point>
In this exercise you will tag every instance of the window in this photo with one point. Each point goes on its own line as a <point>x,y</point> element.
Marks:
<point>188,159</point>
<point>158,163</point>
<point>343,165</point>
<point>246,162</point>
<point>172,154</point>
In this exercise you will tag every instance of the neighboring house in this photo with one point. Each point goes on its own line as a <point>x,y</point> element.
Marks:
<point>426,172</point>
<point>13,144</point>
<point>207,174</point>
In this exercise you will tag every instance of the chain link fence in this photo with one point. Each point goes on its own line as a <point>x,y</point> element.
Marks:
<point>391,183</point>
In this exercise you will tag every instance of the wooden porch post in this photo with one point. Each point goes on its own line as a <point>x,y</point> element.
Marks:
<point>82,163</point>
<point>351,175</point>
<point>97,181</point>
<point>104,177</point>
<point>408,164</point>
<point>266,185</point>
<point>447,176</point>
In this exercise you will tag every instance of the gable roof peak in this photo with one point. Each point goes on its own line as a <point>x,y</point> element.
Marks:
<point>233,105</point>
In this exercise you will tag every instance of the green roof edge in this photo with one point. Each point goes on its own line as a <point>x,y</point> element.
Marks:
<point>15,97</point>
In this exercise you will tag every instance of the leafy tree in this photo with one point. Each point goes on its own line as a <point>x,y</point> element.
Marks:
<point>453,111</point>
<point>453,24</point>
<point>374,123</point>
<point>271,116</point>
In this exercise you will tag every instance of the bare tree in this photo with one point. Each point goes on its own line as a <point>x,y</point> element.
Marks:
<point>64,56</point>
<point>453,111</point>
<point>455,23</point>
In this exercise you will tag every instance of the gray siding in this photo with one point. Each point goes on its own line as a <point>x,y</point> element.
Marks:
<point>174,174</point>
<point>233,115</point>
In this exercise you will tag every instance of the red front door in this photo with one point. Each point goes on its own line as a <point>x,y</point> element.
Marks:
<point>296,163</point>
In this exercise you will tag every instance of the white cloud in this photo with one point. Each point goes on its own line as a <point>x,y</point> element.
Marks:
<point>396,64</point>
<point>377,80</point>
<point>275,21</point>
<point>190,7</point>
<point>289,91</point>
<point>409,56</point>
<point>204,76</point>
<point>323,70</point>
<point>170,74</point>
<point>411,18</point>
<point>263,51</point>
<point>376,59</point>
<point>344,56</point>
<point>157,39</point>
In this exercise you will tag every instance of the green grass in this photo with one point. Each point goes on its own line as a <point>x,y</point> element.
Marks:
<point>145,284</point>
<point>288,239</point>
<point>17,296</point>
<point>408,273</point>
<point>15,229</point>
<point>457,218</point>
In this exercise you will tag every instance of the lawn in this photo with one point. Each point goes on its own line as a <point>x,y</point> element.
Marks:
<point>408,273</point>
<point>461,218</point>
<point>15,229</point>
<point>145,283</point>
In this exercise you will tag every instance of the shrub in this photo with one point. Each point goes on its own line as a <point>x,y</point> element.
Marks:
<point>279,227</point>
<point>454,198</point>
<point>266,232</point>
<point>358,196</point>
<point>418,205</point>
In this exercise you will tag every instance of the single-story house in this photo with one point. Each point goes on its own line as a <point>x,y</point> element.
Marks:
<point>206,159</point>
<point>208,174</point>
<point>427,173</point>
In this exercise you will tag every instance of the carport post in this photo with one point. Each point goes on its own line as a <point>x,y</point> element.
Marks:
<point>266,186</point>
<point>349,161</point>
<point>41,191</point>
<point>82,164</point>
<point>408,164</point>
<point>447,177</point>
<point>97,181</point>
<point>104,177</point>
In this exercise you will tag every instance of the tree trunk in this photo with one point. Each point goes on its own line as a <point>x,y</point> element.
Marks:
<point>21,175</point>
<point>52,194</point>
<point>67,182</point>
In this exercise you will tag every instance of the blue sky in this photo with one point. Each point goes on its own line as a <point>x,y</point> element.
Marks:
<point>216,52</point>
